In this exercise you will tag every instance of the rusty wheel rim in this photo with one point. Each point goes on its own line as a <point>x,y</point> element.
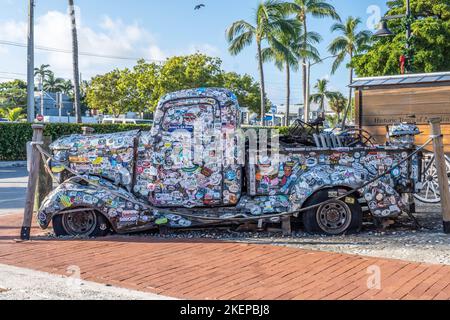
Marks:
<point>80,223</point>
<point>334,218</point>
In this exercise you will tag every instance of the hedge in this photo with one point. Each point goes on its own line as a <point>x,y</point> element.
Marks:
<point>14,136</point>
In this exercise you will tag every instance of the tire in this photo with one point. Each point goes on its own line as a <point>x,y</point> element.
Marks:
<point>338,217</point>
<point>58,227</point>
<point>95,224</point>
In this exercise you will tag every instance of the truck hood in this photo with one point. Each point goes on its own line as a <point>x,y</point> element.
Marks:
<point>110,156</point>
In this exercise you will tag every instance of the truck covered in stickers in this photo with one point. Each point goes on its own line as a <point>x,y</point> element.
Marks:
<point>198,167</point>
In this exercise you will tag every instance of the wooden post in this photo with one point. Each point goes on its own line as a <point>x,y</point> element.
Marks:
<point>438,141</point>
<point>45,181</point>
<point>87,131</point>
<point>38,131</point>
<point>286,225</point>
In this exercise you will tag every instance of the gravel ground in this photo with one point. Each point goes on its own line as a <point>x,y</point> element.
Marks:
<point>23,284</point>
<point>400,241</point>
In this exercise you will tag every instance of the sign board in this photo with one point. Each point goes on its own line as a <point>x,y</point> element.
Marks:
<point>379,107</point>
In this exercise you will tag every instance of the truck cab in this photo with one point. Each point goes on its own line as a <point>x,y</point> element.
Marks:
<point>179,162</point>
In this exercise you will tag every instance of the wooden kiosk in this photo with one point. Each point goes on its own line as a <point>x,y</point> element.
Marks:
<point>382,101</point>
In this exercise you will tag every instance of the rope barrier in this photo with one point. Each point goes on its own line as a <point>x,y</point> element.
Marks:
<point>236,217</point>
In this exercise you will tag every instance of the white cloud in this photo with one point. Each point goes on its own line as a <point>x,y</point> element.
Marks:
<point>111,37</point>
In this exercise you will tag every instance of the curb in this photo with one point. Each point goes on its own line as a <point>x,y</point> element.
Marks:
<point>13,164</point>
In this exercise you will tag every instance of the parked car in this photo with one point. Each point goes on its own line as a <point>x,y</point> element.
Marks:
<point>135,181</point>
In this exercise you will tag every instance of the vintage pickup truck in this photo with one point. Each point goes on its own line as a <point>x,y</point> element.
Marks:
<point>180,175</point>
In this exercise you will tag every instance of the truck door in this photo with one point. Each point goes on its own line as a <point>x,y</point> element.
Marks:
<point>186,174</point>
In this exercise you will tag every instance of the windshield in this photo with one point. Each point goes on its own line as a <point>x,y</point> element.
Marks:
<point>186,117</point>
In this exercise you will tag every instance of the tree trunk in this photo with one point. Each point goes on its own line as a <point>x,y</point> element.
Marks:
<point>304,75</point>
<point>288,94</point>
<point>262,84</point>
<point>76,73</point>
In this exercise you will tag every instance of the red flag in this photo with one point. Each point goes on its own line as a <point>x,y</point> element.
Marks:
<point>402,63</point>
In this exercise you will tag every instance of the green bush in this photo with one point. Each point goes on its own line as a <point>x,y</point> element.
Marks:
<point>14,136</point>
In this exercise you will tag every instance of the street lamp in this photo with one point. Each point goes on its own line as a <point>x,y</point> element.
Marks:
<point>385,32</point>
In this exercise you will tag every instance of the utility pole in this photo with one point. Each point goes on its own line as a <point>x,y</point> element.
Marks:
<point>30,63</point>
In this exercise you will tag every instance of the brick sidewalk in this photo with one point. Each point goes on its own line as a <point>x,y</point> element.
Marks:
<point>221,270</point>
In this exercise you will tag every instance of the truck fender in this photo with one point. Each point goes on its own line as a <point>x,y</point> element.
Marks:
<point>383,200</point>
<point>72,194</point>
<point>324,177</point>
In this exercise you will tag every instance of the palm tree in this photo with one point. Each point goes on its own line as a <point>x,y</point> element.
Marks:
<point>287,59</point>
<point>53,84</point>
<point>270,17</point>
<point>338,103</point>
<point>67,87</point>
<point>43,72</point>
<point>322,94</point>
<point>317,9</point>
<point>76,72</point>
<point>346,45</point>
<point>13,114</point>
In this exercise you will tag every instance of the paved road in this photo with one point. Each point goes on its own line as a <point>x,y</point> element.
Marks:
<point>13,185</point>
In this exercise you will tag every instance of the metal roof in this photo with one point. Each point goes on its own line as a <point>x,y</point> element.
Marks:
<point>401,79</point>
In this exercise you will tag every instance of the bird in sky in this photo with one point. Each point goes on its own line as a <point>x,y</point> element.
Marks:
<point>198,7</point>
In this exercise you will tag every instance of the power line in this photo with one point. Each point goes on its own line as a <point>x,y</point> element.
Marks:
<point>13,73</point>
<point>9,78</point>
<point>89,54</point>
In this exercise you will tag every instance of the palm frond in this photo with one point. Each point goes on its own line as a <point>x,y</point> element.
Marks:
<point>322,9</point>
<point>338,45</point>
<point>240,42</point>
<point>268,55</point>
<point>237,28</point>
<point>337,62</point>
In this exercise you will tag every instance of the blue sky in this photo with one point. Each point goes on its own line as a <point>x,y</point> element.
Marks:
<point>157,29</point>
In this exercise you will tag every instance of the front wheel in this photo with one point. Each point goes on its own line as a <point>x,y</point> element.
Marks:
<point>83,223</point>
<point>335,217</point>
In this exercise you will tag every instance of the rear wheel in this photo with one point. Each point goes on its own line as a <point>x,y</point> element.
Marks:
<point>335,217</point>
<point>88,223</point>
